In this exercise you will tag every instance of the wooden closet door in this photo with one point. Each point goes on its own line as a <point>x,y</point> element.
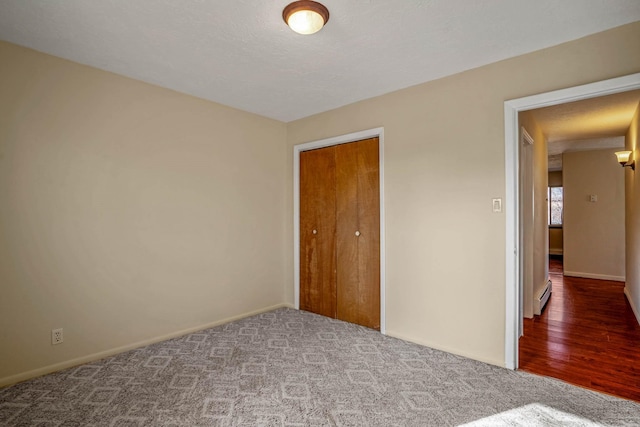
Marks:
<point>318,231</point>
<point>358,232</point>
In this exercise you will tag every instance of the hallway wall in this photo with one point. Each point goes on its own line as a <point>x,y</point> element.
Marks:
<point>594,230</point>
<point>632,198</point>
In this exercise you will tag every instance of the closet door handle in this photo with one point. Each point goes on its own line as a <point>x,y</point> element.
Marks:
<point>315,231</point>
<point>357,233</point>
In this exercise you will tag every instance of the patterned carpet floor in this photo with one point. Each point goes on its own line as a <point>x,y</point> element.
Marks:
<point>293,368</point>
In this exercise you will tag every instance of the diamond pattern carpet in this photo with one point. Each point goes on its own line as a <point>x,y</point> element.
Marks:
<point>293,368</point>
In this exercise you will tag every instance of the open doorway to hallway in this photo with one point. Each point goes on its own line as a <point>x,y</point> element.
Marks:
<point>513,236</point>
<point>588,333</point>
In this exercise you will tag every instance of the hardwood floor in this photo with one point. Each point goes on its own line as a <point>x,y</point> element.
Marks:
<point>587,335</point>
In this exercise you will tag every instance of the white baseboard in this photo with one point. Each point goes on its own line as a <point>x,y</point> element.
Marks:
<point>631,303</point>
<point>23,376</point>
<point>555,251</point>
<point>594,276</point>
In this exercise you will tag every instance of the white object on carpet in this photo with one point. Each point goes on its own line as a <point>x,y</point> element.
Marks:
<point>533,415</point>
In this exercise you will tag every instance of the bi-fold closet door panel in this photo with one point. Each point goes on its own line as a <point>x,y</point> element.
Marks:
<point>352,170</point>
<point>318,231</point>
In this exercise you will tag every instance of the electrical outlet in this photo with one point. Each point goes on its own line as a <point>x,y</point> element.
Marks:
<point>56,336</point>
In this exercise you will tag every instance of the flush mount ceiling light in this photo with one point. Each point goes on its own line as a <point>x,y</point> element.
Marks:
<point>305,16</point>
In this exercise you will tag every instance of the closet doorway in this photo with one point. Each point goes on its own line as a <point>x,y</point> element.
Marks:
<point>338,228</point>
<point>340,232</point>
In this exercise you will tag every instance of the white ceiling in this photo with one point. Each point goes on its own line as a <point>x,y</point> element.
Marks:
<point>556,149</point>
<point>589,124</point>
<point>240,53</point>
<point>594,118</point>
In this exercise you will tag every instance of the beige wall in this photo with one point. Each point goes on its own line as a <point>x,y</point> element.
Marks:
<point>555,233</point>
<point>594,232</point>
<point>556,241</point>
<point>555,179</point>
<point>444,162</point>
<point>128,212</point>
<point>632,197</point>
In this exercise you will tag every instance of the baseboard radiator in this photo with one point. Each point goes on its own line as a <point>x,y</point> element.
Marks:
<point>542,299</point>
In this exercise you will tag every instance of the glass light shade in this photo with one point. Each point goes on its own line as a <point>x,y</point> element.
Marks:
<point>305,16</point>
<point>305,22</point>
<point>623,156</point>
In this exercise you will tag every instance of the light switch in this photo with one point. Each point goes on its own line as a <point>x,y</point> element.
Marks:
<point>497,205</point>
<point>593,198</point>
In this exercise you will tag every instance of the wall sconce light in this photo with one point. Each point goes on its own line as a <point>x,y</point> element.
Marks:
<point>305,16</point>
<point>624,158</point>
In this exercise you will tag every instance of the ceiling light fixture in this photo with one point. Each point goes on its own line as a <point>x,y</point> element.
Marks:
<point>624,158</point>
<point>305,16</point>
